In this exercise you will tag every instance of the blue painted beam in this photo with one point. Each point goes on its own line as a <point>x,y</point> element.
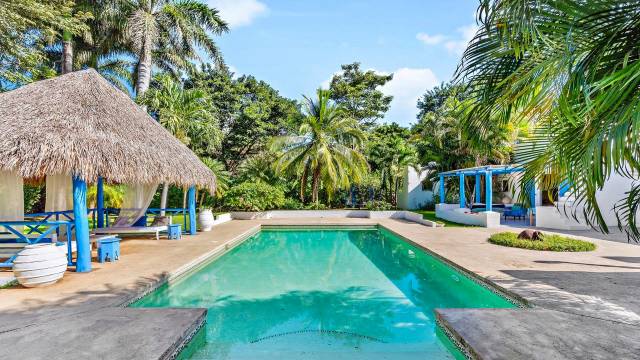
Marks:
<point>442,190</point>
<point>100,201</point>
<point>532,194</point>
<point>83,261</point>
<point>463,200</point>
<point>489,190</point>
<point>191,201</point>
<point>478,189</point>
<point>563,188</point>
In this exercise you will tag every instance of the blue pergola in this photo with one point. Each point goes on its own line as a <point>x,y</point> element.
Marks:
<point>488,171</point>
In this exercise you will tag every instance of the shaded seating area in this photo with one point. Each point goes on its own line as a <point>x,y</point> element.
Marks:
<point>481,210</point>
<point>75,131</point>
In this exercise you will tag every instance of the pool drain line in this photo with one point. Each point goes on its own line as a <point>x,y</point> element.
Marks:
<point>322,332</point>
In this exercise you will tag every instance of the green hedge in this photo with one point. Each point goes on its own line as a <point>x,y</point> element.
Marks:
<point>549,243</point>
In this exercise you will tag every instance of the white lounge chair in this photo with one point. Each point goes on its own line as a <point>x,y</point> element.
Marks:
<point>133,230</point>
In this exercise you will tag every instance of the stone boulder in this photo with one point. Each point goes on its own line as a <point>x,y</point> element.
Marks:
<point>530,234</point>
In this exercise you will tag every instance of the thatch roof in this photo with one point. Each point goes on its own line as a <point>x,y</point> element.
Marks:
<point>80,124</point>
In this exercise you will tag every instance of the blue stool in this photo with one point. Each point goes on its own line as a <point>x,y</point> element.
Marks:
<point>108,248</point>
<point>174,231</point>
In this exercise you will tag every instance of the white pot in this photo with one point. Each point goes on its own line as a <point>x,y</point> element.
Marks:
<point>206,220</point>
<point>39,265</point>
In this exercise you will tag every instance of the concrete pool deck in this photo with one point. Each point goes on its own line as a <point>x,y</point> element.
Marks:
<point>581,289</point>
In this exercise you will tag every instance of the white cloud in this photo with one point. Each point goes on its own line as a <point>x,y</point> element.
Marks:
<point>325,84</point>
<point>407,87</point>
<point>455,44</point>
<point>234,70</point>
<point>239,12</point>
<point>430,39</point>
<point>466,33</point>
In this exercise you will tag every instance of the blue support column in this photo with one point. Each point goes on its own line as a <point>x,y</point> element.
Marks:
<point>442,190</point>
<point>563,188</point>
<point>478,189</point>
<point>83,260</point>
<point>463,200</point>
<point>532,194</point>
<point>489,190</point>
<point>191,201</point>
<point>100,202</point>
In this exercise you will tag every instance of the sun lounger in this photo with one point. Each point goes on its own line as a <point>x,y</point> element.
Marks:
<point>132,230</point>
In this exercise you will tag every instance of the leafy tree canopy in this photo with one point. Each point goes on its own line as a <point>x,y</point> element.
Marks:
<point>434,99</point>
<point>359,93</point>
<point>26,28</point>
<point>250,112</point>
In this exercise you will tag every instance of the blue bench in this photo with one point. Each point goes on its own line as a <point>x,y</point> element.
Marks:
<point>516,212</point>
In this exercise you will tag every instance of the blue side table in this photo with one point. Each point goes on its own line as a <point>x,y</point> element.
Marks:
<point>108,248</point>
<point>174,231</point>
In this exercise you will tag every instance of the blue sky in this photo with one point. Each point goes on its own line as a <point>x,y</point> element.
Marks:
<point>297,45</point>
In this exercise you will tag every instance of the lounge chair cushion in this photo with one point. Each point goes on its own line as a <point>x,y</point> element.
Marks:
<point>160,221</point>
<point>122,221</point>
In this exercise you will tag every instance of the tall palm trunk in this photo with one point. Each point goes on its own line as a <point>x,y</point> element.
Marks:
<point>67,52</point>
<point>142,85</point>
<point>163,198</point>
<point>303,182</point>
<point>144,70</point>
<point>316,184</point>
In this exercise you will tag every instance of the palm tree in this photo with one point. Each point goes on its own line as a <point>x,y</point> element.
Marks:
<point>167,34</point>
<point>327,147</point>
<point>186,114</point>
<point>569,67</point>
<point>104,47</point>
<point>27,26</point>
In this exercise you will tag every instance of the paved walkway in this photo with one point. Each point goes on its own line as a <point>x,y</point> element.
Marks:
<point>586,287</point>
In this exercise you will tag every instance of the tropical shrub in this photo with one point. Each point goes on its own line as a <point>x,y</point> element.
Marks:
<point>317,206</point>
<point>32,195</point>
<point>292,204</point>
<point>379,205</point>
<point>253,196</point>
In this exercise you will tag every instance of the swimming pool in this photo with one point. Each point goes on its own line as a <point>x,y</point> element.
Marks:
<point>324,293</point>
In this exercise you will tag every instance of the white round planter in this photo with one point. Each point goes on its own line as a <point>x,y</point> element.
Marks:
<point>206,220</point>
<point>39,265</point>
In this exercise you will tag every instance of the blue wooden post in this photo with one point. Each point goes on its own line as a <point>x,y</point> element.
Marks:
<point>191,200</point>
<point>563,188</point>
<point>100,202</point>
<point>489,190</point>
<point>532,194</point>
<point>463,200</point>
<point>442,190</point>
<point>83,260</point>
<point>478,189</point>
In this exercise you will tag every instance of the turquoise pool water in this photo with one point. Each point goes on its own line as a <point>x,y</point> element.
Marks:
<point>323,294</point>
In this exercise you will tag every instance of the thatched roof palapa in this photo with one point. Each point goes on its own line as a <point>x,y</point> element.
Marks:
<point>79,124</point>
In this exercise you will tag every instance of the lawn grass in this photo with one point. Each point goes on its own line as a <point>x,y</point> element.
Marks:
<point>550,242</point>
<point>431,215</point>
